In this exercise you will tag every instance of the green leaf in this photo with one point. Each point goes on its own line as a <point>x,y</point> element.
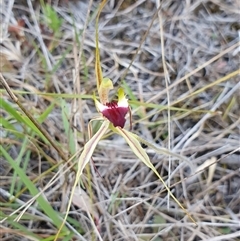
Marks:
<point>67,127</point>
<point>51,18</point>
<point>15,184</point>
<point>225,230</point>
<point>7,126</point>
<point>45,114</point>
<point>9,109</point>
<point>21,118</point>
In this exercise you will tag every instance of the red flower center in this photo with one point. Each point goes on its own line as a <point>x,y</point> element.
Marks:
<point>115,114</point>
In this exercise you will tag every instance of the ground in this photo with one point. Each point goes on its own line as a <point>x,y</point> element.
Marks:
<point>178,62</point>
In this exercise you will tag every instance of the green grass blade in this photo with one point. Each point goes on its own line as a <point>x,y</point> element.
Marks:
<point>45,114</point>
<point>46,207</point>
<point>16,185</point>
<point>67,128</point>
<point>20,228</point>
<point>22,119</point>
<point>12,111</point>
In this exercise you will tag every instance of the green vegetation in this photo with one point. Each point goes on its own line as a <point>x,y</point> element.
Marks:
<point>183,89</point>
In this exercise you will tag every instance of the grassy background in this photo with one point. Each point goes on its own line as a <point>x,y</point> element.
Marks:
<point>184,91</point>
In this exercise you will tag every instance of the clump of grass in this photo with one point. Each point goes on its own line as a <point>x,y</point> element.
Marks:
<point>201,53</point>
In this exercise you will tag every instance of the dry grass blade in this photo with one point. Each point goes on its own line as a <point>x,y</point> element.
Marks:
<point>48,68</point>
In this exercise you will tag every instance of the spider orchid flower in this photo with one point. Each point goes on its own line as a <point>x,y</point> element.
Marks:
<point>114,111</point>
<point>113,119</point>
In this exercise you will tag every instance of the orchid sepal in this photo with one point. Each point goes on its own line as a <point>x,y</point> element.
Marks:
<point>103,90</point>
<point>137,149</point>
<point>84,159</point>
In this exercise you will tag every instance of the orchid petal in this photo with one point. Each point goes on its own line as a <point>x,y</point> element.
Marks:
<point>99,106</point>
<point>122,100</point>
<point>142,155</point>
<point>115,114</point>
